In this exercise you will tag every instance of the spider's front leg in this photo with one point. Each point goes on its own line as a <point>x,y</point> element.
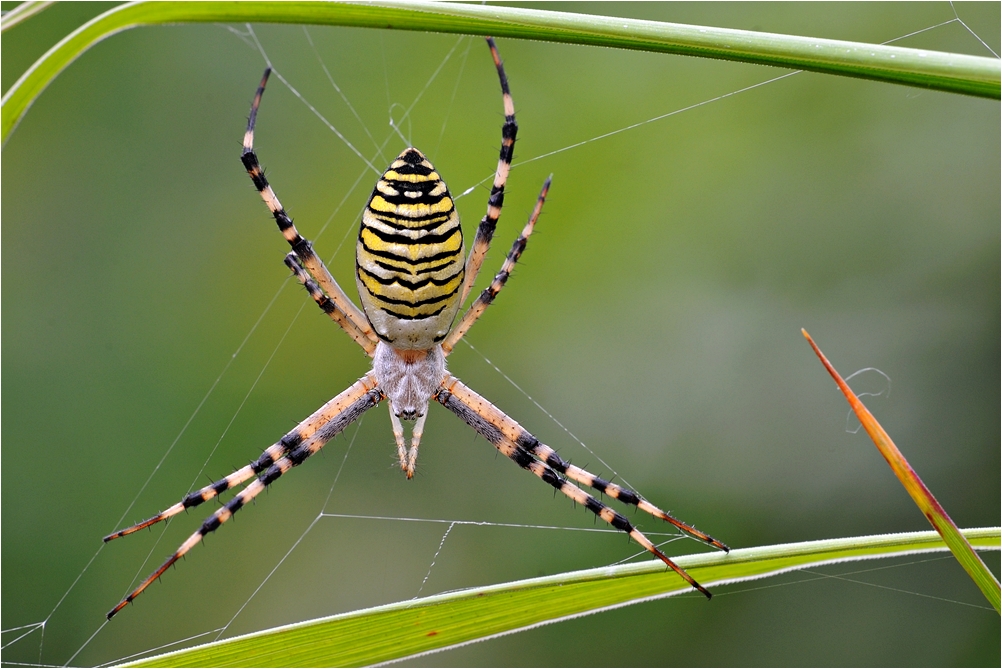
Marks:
<point>529,453</point>
<point>321,427</point>
<point>319,419</point>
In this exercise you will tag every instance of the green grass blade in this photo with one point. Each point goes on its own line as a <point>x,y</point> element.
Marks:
<point>955,73</point>
<point>920,494</point>
<point>22,13</point>
<point>405,629</point>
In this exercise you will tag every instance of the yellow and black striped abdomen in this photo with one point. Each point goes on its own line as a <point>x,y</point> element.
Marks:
<point>410,257</point>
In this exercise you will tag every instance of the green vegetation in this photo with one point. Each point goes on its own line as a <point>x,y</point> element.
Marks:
<point>946,72</point>
<point>396,631</point>
<point>656,314</point>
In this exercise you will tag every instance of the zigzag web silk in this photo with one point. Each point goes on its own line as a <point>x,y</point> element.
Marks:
<point>18,633</point>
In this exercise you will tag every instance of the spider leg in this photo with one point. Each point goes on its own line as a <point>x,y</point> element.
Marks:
<point>516,434</point>
<point>356,400</point>
<point>490,292</point>
<point>326,304</point>
<point>494,426</point>
<point>300,434</point>
<point>485,231</point>
<point>350,318</point>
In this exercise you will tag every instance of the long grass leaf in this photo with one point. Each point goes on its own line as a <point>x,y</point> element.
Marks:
<point>22,13</point>
<point>923,497</point>
<point>970,75</point>
<point>420,626</point>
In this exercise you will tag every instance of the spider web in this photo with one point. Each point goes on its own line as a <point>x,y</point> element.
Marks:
<point>400,129</point>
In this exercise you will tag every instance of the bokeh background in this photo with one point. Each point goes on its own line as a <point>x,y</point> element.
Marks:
<point>656,314</point>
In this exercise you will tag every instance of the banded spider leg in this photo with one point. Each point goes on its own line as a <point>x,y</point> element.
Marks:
<point>292,450</point>
<point>525,450</point>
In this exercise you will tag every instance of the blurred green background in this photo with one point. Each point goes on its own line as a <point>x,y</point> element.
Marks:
<point>656,314</point>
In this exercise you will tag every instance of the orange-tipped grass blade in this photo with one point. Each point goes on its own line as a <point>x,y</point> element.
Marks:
<point>924,499</point>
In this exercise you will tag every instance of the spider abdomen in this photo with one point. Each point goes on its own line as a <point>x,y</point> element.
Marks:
<point>410,257</point>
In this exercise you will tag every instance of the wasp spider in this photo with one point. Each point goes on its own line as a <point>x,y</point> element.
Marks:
<point>412,275</point>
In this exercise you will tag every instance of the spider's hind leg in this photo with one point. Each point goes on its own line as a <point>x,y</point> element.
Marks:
<point>348,316</point>
<point>485,231</point>
<point>330,307</point>
<point>485,298</point>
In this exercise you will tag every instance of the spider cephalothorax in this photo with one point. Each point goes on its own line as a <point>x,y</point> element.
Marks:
<point>413,275</point>
<point>408,378</point>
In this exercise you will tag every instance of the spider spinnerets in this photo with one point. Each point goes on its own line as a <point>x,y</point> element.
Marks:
<point>412,274</point>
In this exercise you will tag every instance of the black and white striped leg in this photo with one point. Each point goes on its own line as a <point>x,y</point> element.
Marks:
<point>517,434</point>
<point>353,402</point>
<point>485,231</point>
<point>352,320</point>
<point>326,304</point>
<point>488,421</point>
<point>268,458</point>
<point>485,299</point>
<point>302,432</point>
<point>625,495</point>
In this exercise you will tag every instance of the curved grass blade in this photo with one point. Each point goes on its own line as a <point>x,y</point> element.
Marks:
<point>22,13</point>
<point>924,499</point>
<point>969,75</point>
<point>407,629</point>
